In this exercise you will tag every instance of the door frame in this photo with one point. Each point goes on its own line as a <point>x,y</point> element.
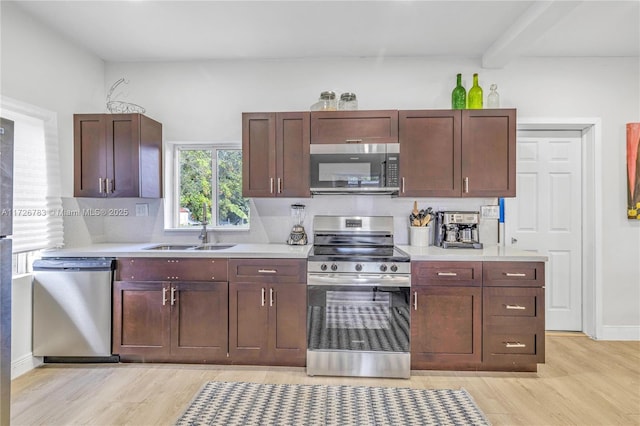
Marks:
<point>592,213</point>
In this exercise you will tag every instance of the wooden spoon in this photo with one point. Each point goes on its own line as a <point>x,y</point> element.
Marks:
<point>415,208</point>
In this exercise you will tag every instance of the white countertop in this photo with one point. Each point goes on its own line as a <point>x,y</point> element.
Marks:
<point>488,253</point>
<point>280,251</point>
<point>138,250</point>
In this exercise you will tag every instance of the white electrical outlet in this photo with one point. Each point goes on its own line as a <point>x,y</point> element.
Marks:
<point>490,212</point>
<point>142,209</point>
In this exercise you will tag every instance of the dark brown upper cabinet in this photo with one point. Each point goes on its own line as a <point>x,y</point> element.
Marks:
<point>458,153</point>
<point>275,154</point>
<point>117,155</point>
<point>354,126</point>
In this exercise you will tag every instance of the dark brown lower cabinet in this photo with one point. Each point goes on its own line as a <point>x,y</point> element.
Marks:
<point>267,323</point>
<point>477,315</point>
<point>170,321</point>
<point>513,315</point>
<point>446,327</point>
<point>268,311</point>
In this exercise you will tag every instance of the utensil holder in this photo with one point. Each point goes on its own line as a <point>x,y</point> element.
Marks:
<point>421,236</point>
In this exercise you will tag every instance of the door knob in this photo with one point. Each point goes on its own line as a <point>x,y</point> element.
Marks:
<point>514,240</point>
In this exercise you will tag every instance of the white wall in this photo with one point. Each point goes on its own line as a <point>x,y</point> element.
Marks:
<point>204,100</point>
<point>39,67</point>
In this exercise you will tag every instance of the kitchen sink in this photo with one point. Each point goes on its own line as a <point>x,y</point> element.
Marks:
<point>171,247</point>
<point>217,246</point>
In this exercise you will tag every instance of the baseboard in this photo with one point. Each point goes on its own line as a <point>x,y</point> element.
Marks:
<point>24,364</point>
<point>620,332</point>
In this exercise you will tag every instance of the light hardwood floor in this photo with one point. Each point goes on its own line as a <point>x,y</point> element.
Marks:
<point>583,382</point>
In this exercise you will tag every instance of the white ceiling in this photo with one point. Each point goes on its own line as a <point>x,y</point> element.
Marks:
<point>496,31</point>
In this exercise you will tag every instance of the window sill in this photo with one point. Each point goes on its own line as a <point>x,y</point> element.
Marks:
<point>214,229</point>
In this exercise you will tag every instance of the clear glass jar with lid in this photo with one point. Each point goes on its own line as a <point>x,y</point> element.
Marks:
<point>348,102</point>
<point>327,102</point>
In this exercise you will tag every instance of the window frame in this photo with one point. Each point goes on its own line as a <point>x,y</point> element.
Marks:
<point>172,184</point>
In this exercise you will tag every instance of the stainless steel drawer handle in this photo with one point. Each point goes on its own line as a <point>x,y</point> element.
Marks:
<point>403,186</point>
<point>514,345</point>
<point>173,296</point>
<point>279,186</point>
<point>100,185</point>
<point>267,271</point>
<point>515,307</point>
<point>415,300</point>
<point>466,185</point>
<point>270,297</point>
<point>515,274</point>
<point>353,140</point>
<point>262,303</point>
<point>164,296</point>
<point>270,185</point>
<point>447,274</point>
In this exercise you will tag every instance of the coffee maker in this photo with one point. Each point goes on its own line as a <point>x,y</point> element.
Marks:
<point>298,236</point>
<point>457,230</point>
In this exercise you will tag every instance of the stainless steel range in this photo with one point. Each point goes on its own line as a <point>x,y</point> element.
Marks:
<point>358,316</point>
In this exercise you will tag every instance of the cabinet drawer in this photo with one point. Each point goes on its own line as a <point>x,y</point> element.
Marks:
<point>513,302</point>
<point>171,269</point>
<point>354,126</point>
<point>268,270</point>
<point>523,274</point>
<point>446,273</point>
<point>511,344</point>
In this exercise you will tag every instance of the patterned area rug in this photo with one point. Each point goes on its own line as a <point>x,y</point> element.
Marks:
<point>224,403</point>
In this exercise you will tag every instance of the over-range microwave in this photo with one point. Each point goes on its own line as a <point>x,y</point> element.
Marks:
<point>355,168</point>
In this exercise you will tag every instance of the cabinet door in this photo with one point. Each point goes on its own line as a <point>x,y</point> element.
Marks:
<point>248,322</point>
<point>288,324</point>
<point>141,314</point>
<point>354,126</point>
<point>199,315</point>
<point>258,154</point>
<point>489,153</point>
<point>292,154</point>
<point>123,159</point>
<point>430,143</point>
<point>89,155</point>
<point>446,327</point>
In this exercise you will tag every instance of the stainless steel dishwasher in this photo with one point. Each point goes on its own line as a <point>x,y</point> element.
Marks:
<point>72,309</point>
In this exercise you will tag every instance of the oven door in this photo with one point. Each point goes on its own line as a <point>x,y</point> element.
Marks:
<point>358,312</point>
<point>353,168</point>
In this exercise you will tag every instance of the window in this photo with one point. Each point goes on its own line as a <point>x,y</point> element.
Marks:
<point>207,185</point>
<point>37,203</point>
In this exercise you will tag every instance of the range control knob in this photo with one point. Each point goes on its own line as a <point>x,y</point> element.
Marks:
<point>334,267</point>
<point>383,268</point>
<point>323,267</point>
<point>394,268</point>
<point>358,267</point>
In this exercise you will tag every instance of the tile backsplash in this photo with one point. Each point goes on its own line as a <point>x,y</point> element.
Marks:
<point>270,218</point>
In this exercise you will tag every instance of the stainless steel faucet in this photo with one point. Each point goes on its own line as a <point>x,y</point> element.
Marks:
<point>204,234</point>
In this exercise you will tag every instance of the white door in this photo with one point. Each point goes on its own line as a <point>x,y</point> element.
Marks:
<point>546,217</point>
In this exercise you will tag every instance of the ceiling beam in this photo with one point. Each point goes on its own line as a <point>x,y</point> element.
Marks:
<point>530,26</point>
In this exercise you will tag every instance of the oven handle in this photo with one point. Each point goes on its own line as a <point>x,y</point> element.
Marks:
<point>379,280</point>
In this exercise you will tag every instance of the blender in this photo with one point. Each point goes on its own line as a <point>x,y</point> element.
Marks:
<point>298,236</point>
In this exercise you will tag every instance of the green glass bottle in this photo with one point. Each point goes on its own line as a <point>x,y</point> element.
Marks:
<point>459,95</point>
<point>475,94</point>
